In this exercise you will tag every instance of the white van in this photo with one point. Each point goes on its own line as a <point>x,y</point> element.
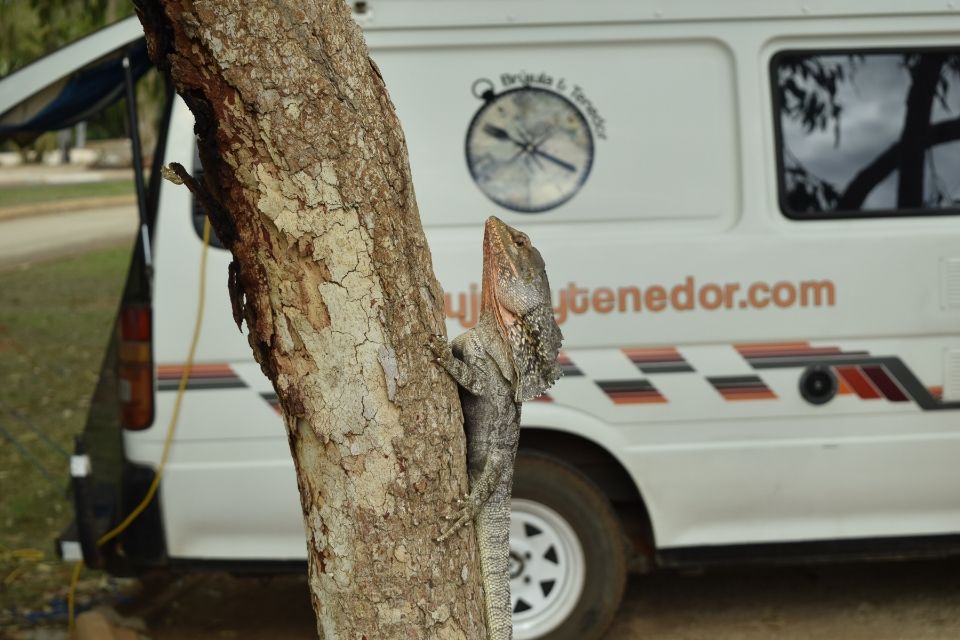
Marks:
<point>749,216</point>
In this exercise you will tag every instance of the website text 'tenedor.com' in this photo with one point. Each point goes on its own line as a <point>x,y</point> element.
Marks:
<point>688,295</point>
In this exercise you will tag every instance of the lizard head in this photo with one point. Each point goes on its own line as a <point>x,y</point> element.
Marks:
<point>514,275</point>
<point>517,292</point>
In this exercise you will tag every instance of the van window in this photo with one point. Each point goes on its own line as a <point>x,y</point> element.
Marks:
<point>868,133</point>
<point>197,214</point>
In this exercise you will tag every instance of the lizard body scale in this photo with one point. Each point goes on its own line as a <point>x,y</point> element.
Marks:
<point>510,356</point>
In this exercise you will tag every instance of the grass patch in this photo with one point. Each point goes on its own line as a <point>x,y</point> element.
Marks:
<point>54,324</point>
<point>16,195</point>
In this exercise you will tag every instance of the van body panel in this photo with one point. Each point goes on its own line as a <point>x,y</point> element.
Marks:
<point>674,245</point>
<point>408,15</point>
<point>620,174</point>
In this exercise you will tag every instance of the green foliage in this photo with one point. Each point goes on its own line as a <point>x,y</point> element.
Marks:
<point>20,34</point>
<point>31,28</point>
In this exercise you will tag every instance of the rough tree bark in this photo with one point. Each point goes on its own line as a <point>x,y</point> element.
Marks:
<point>309,187</point>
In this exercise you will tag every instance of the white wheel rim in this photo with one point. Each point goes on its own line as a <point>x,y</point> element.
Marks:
<point>547,569</point>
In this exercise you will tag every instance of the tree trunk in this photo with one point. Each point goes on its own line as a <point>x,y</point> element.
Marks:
<point>916,125</point>
<point>310,189</point>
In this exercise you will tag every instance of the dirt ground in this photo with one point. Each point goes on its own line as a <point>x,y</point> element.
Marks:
<point>889,601</point>
<point>886,601</point>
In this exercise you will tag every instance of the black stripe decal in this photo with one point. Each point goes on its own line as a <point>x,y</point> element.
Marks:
<point>665,367</point>
<point>626,385</point>
<point>570,369</point>
<point>736,381</point>
<point>198,384</point>
<point>805,361</point>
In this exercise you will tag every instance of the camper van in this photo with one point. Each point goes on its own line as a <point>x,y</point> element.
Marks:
<point>749,213</point>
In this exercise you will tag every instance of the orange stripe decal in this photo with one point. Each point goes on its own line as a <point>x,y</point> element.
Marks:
<point>858,382</point>
<point>842,388</point>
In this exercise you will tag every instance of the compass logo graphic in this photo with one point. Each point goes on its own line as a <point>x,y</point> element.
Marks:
<point>529,149</point>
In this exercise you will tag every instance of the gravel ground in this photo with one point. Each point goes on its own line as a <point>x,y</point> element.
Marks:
<point>884,601</point>
<point>891,601</point>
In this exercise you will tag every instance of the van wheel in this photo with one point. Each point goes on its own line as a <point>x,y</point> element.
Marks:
<point>567,554</point>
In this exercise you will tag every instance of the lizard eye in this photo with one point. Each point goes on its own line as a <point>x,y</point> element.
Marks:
<point>521,241</point>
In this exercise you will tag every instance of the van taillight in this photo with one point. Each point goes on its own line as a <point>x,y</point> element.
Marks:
<point>135,367</point>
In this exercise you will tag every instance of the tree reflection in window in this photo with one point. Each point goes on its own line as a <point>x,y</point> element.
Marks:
<point>869,133</point>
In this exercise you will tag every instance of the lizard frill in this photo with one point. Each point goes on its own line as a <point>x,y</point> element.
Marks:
<point>535,341</point>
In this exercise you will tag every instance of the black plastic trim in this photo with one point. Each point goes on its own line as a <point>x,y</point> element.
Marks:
<point>143,544</point>
<point>812,552</point>
<point>85,525</point>
<point>239,567</point>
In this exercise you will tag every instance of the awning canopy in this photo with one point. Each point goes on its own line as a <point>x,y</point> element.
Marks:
<point>73,83</point>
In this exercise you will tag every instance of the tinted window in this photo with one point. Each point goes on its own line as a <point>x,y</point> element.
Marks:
<point>197,213</point>
<point>868,133</point>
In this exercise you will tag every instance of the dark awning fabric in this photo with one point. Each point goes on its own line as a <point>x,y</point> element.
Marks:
<point>77,97</point>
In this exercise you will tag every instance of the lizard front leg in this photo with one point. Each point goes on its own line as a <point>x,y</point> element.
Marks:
<point>470,376</point>
<point>497,463</point>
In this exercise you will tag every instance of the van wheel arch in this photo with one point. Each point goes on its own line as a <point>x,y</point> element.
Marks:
<point>604,470</point>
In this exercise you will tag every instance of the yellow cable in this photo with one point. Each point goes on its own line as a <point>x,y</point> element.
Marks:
<point>71,595</point>
<point>171,428</point>
<point>20,558</point>
<point>30,555</point>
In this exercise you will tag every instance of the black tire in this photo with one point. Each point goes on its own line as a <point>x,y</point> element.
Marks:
<point>543,479</point>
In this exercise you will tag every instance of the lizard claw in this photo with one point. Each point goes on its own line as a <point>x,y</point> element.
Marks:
<point>463,520</point>
<point>464,516</point>
<point>440,349</point>
<point>437,344</point>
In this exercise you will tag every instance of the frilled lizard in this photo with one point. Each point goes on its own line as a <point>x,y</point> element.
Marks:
<point>509,357</point>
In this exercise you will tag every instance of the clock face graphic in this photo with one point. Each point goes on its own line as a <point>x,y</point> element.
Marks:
<point>529,149</point>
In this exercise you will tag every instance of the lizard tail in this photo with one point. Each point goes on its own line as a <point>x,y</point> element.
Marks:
<point>493,537</point>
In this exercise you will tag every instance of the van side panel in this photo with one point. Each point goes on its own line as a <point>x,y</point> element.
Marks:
<point>691,306</point>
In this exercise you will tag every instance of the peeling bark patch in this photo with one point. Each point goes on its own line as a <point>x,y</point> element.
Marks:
<point>441,614</point>
<point>292,401</point>
<point>316,309</point>
<point>388,362</point>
